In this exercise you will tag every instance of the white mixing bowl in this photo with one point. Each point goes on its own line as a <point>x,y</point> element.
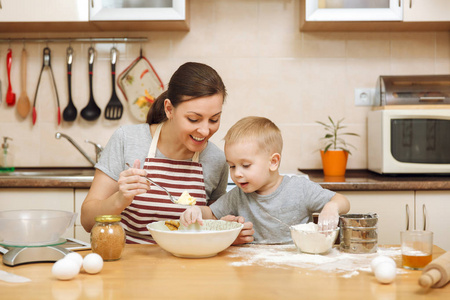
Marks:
<point>314,242</point>
<point>34,227</point>
<point>196,241</point>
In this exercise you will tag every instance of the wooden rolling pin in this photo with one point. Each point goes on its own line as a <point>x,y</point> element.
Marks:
<point>437,273</point>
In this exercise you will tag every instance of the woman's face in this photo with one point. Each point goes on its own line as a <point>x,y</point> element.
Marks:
<point>196,120</point>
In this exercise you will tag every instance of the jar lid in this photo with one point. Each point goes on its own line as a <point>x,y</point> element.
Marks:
<point>108,218</point>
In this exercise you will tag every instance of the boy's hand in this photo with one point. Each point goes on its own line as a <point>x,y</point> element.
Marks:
<point>191,215</point>
<point>246,234</point>
<point>329,217</point>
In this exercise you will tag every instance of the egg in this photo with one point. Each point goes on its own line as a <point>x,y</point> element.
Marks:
<point>65,269</point>
<point>76,257</point>
<point>92,263</point>
<point>385,272</point>
<point>379,259</point>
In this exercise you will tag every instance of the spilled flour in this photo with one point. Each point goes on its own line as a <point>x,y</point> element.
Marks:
<point>283,256</point>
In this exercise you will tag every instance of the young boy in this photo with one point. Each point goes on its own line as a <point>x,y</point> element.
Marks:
<point>270,201</point>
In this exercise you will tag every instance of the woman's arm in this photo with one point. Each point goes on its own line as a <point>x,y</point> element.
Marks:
<point>108,197</point>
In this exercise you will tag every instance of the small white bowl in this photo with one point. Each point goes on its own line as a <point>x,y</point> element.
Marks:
<point>196,241</point>
<point>314,242</point>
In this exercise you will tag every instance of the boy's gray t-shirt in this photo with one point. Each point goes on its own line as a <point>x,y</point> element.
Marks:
<point>130,142</point>
<point>292,203</point>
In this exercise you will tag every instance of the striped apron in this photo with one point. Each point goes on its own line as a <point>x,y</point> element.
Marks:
<point>176,176</point>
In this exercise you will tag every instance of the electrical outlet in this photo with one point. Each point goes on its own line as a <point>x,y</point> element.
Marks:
<point>364,97</point>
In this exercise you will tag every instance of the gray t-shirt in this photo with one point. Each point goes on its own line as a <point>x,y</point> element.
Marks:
<point>292,203</point>
<point>130,142</point>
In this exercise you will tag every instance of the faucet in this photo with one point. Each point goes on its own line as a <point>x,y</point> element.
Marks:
<point>98,147</point>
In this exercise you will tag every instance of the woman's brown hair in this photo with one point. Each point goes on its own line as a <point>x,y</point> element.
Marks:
<point>191,80</point>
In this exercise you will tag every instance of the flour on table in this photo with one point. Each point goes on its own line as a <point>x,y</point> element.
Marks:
<point>284,256</point>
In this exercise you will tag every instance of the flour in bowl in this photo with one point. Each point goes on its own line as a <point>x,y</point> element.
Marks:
<point>309,239</point>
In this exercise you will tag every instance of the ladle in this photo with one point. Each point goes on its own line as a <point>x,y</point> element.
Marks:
<point>70,112</point>
<point>23,104</point>
<point>167,192</point>
<point>91,112</point>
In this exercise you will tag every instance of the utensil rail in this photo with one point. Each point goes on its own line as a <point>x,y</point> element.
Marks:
<point>75,40</point>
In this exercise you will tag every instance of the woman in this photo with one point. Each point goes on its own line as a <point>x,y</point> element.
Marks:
<point>172,148</point>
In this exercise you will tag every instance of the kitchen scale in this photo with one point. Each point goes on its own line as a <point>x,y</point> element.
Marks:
<point>16,255</point>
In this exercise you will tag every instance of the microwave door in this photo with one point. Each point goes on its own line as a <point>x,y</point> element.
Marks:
<point>421,141</point>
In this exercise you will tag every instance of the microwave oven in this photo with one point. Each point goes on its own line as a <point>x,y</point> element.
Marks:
<point>403,140</point>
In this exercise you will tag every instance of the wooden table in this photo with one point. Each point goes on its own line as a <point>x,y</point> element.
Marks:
<point>148,272</point>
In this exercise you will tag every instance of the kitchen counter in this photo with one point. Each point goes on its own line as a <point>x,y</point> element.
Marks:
<point>364,180</point>
<point>148,272</point>
<point>360,180</point>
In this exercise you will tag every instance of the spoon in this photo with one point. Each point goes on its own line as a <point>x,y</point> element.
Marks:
<point>91,112</point>
<point>23,104</point>
<point>70,112</point>
<point>151,181</point>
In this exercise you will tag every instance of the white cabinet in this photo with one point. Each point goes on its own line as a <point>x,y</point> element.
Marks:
<point>38,198</point>
<point>80,233</point>
<point>93,15</point>
<point>353,10</point>
<point>426,10</point>
<point>44,11</point>
<point>374,15</point>
<point>437,204</point>
<point>390,207</point>
<point>122,10</point>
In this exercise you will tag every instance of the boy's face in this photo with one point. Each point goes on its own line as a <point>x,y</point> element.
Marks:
<point>249,166</point>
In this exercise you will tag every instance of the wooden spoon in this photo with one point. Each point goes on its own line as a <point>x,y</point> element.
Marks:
<point>23,104</point>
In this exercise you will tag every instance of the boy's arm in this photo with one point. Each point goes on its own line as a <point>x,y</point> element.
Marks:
<point>329,216</point>
<point>196,214</point>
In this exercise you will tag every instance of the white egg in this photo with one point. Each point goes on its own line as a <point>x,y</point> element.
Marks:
<point>385,272</point>
<point>76,257</point>
<point>379,259</point>
<point>93,263</point>
<point>65,269</point>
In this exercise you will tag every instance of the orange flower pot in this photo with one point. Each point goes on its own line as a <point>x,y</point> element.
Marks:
<point>334,162</point>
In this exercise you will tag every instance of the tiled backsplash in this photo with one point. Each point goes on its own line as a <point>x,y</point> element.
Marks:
<point>270,69</point>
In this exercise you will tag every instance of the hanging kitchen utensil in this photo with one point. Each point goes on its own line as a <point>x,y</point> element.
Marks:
<point>46,64</point>
<point>91,112</point>
<point>70,112</point>
<point>114,109</point>
<point>10,96</point>
<point>140,85</point>
<point>23,104</point>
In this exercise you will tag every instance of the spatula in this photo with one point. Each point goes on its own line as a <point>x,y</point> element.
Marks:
<point>23,104</point>
<point>114,109</point>
<point>10,96</point>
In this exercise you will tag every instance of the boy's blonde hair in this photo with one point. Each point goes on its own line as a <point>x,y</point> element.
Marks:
<point>259,129</point>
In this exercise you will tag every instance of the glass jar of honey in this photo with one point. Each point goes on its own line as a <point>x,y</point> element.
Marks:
<point>108,237</point>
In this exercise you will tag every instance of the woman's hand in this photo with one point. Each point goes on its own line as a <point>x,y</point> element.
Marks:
<point>132,182</point>
<point>246,234</point>
<point>191,215</point>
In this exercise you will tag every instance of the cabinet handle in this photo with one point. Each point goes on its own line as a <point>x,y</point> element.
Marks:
<point>407,217</point>
<point>399,3</point>
<point>92,3</point>
<point>410,3</point>
<point>1,4</point>
<point>424,217</point>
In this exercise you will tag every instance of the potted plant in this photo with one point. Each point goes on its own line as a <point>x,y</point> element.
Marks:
<point>336,150</point>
